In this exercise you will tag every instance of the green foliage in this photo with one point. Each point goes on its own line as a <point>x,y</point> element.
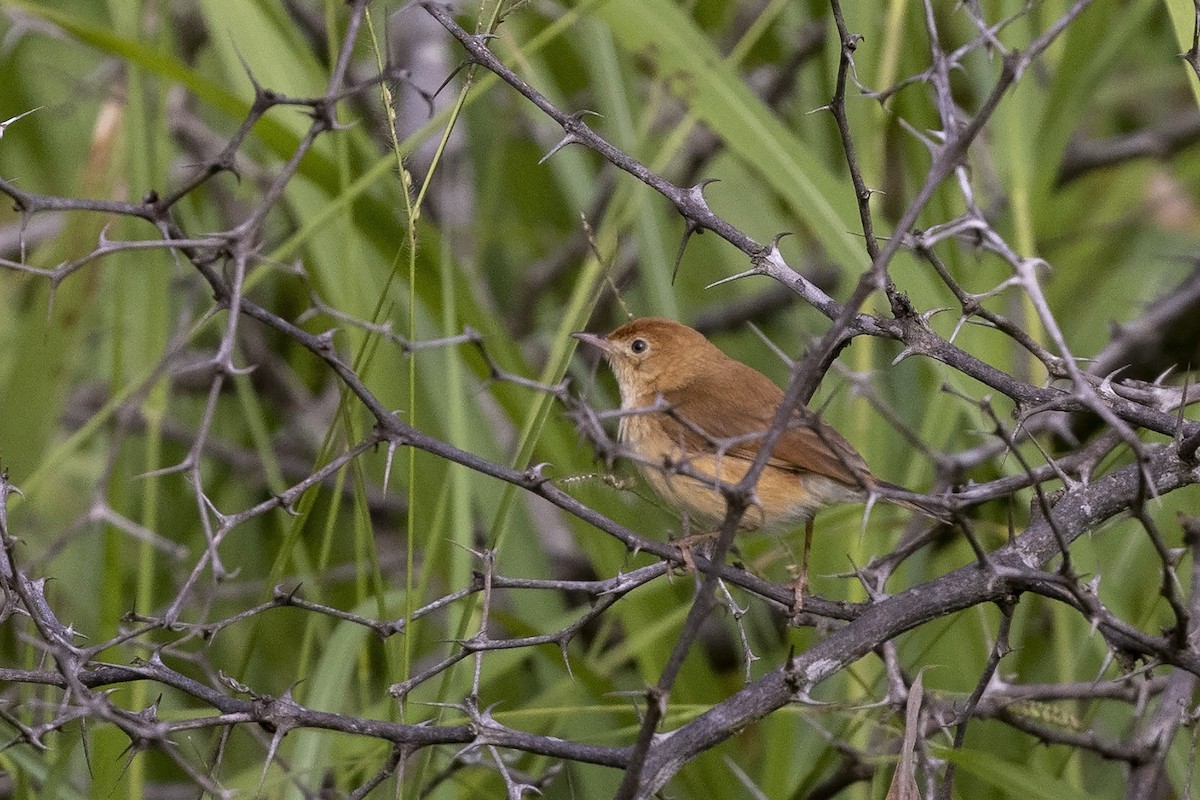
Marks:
<point>98,403</point>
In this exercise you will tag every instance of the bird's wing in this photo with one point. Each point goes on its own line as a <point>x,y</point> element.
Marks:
<point>808,446</point>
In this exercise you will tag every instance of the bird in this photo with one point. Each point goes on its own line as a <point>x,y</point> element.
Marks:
<point>690,408</point>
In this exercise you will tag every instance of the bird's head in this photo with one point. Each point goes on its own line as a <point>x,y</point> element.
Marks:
<point>651,356</point>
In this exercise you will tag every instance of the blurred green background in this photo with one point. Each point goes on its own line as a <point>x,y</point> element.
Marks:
<point>102,378</point>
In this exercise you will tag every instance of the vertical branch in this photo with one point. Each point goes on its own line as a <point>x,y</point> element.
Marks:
<point>837,106</point>
<point>703,602</point>
<point>1148,779</point>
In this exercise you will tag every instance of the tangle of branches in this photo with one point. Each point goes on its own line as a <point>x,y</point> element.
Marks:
<point>1091,443</point>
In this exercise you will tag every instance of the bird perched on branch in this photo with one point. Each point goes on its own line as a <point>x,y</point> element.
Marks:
<point>692,409</point>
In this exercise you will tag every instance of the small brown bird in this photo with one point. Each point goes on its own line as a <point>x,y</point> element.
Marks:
<point>720,411</point>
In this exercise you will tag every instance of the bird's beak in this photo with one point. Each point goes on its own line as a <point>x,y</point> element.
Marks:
<point>597,340</point>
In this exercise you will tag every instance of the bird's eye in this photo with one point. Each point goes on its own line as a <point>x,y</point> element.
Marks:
<point>639,345</point>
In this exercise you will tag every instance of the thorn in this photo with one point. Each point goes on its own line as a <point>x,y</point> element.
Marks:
<point>1106,382</point>
<point>480,554</point>
<point>288,596</point>
<point>690,226</point>
<point>158,473</point>
<point>771,256</point>
<point>567,139</point>
<point>1162,376</point>
<point>4,125</point>
<point>536,471</point>
<point>325,340</point>
<point>962,320</point>
<point>696,193</point>
<point>774,348</point>
<point>259,92</point>
<point>387,469</point>
<point>569,136</point>
<point>925,138</point>
<point>562,646</point>
<point>449,78</point>
<point>578,116</point>
<point>925,316</point>
<point>1034,262</point>
<point>731,278</point>
<point>1105,388</point>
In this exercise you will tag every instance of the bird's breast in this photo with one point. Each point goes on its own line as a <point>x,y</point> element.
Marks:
<point>647,437</point>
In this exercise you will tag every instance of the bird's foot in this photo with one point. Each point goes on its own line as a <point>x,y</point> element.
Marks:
<point>799,589</point>
<point>689,543</point>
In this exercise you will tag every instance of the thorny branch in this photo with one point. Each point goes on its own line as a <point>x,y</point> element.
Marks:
<point>1037,561</point>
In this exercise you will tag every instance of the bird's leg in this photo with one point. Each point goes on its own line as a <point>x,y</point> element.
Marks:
<point>690,541</point>
<point>685,552</point>
<point>801,584</point>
